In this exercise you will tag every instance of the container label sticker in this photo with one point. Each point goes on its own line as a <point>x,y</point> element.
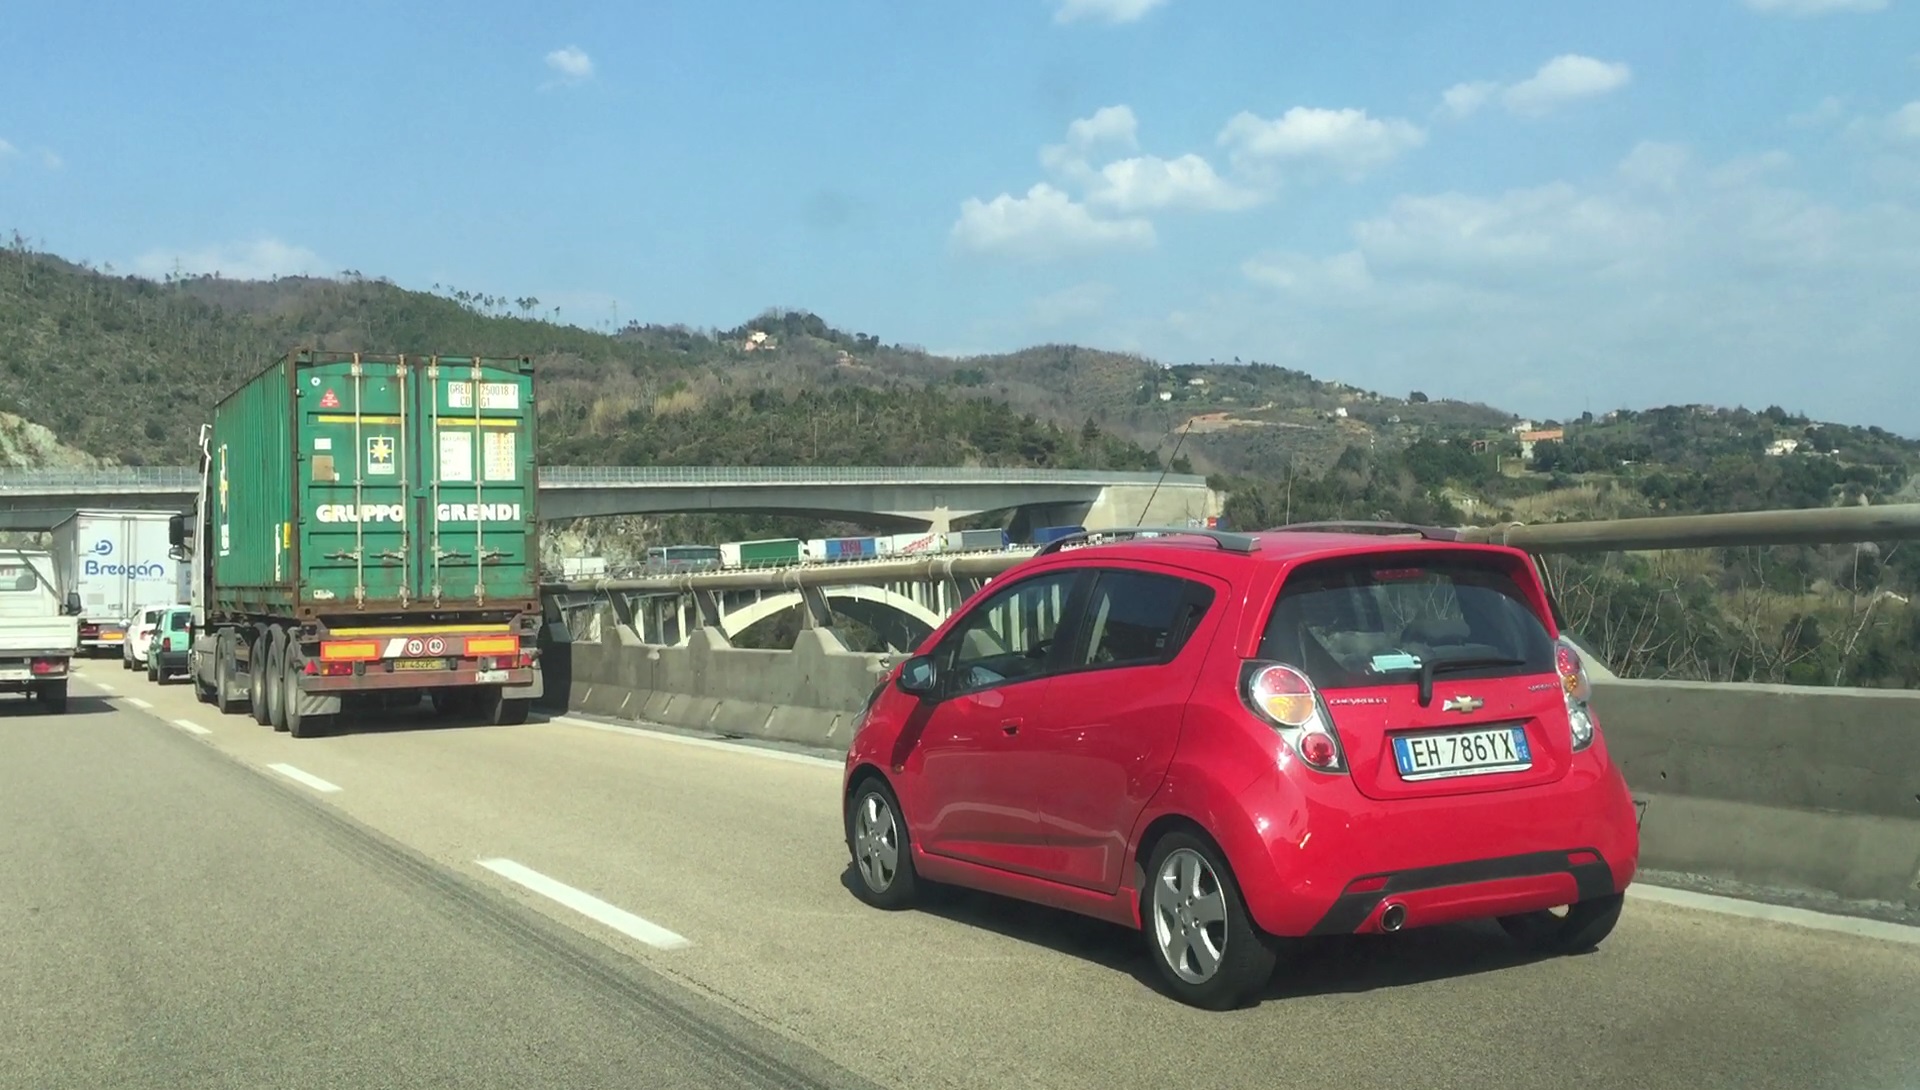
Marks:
<point>323,442</point>
<point>380,456</point>
<point>493,395</point>
<point>456,455</point>
<point>367,512</point>
<point>500,459</point>
<point>329,400</point>
<point>480,512</point>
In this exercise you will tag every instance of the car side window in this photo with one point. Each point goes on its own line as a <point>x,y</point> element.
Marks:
<point>1009,636</point>
<point>1136,618</point>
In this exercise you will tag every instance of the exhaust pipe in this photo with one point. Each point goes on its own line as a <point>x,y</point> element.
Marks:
<point>1394,918</point>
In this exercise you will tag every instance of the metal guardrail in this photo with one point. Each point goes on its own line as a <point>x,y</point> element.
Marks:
<point>187,479</point>
<point>1819,526</point>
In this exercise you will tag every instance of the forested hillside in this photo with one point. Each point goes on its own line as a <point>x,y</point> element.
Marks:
<point>97,367</point>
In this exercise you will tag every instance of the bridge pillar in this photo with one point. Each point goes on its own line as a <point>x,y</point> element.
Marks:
<point>815,611</point>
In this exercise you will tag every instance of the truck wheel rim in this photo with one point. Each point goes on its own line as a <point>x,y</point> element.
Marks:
<point>1190,916</point>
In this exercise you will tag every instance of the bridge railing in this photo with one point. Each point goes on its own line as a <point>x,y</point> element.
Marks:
<point>186,478</point>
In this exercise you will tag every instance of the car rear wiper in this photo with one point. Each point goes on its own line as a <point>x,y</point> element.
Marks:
<point>1430,667</point>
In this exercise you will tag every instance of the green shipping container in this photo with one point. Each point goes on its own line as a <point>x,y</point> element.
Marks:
<point>769,553</point>
<point>353,485</point>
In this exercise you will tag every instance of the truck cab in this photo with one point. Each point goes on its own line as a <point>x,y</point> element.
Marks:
<point>39,628</point>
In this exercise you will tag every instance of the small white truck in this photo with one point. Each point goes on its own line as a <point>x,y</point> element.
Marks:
<point>39,628</point>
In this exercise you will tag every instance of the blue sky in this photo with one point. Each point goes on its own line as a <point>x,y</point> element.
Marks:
<point>1548,207</point>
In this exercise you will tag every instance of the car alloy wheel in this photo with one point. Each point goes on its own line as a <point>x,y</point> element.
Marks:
<point>1202,940</point>
<point>882,853</point>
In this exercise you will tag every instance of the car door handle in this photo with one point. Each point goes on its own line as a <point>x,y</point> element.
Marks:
<point>1011,726</point>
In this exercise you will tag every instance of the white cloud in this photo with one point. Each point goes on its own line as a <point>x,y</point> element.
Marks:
<point>1109,126</point>
<point>1044,225</point>
<point>51,160</point>
<point>259,259</point>
<point>571,64</point>
<point>1667,280</point>
<point>1826,112</point>
<point>1815,7</point>
<point>1145,183</point>
<point>1465,99</point>
<point>1103,11</point>
<point>1904,124</point>
<point>1565,79</point>
<point>8,151</point>
<point>1347,140</point>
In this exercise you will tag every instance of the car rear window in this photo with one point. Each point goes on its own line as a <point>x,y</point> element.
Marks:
<point>1352,622</point>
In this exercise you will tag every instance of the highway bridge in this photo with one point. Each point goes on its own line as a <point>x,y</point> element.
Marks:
<point>646,886</point>
<point>911,498</point>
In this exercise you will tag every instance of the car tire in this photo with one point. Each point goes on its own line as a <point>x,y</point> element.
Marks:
<point>1198,932</point>
<point>880,848</point>
<point>1585,925</point>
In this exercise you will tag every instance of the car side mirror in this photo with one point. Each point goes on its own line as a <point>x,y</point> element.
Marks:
<point>177,530</point>
<point>73,603</point>
<point>918,676</point>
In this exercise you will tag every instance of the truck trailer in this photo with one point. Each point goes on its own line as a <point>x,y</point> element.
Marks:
<point>117,561</point>
<point>366,534</point>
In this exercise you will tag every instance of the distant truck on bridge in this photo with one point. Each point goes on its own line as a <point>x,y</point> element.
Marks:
<point>366,534</point>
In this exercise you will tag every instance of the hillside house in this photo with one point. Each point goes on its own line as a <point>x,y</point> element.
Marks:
<point>1529,438</point>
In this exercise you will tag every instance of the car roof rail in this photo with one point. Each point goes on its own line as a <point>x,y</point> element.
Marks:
<point>1362,526</point>
<point>1232,542</point>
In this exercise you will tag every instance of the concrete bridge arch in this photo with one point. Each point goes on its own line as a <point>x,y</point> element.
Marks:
<point>898,619</point>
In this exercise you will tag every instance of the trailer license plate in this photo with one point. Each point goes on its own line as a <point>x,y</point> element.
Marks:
<point>19,674</point>
<point>1461,753</point>
<point>486,676</point>
<point>420,664</point>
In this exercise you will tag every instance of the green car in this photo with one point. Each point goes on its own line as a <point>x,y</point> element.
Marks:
<point>167,653</point>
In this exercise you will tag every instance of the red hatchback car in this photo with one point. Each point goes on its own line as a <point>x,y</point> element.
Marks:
<point>1225,740</point>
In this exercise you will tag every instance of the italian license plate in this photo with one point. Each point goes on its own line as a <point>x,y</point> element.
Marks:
<point>15,675</point>
<point>420,664</point>
<point>485,676</point>
<point>1439,755</point>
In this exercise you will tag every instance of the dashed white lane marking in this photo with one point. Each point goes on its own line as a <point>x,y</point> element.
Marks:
<point>143,705</point>
<point>1760,910</point>
<point>190,726</point>
<point>587,905</point>
<point>107,685</point>
<point>704,743</point>
<point>306,778</point>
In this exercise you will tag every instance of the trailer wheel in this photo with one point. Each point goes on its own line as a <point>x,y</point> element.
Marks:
<point>225,667</point>
<point>276,679</point>
<point>299,725</point>
<point>257,677</point>
<point>504,712</point>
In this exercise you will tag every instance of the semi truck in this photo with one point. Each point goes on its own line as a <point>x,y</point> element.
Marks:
<point>117,561</point>
<point>39,628</point>
<point>366,533</point>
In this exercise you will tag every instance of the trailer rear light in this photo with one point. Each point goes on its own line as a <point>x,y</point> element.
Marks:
<point>1287,700</point>
<point>349,650</point>
<point>44,667</point>
<point>492,645</point>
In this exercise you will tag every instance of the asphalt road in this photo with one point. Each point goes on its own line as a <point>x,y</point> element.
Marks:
<point>561,903</point>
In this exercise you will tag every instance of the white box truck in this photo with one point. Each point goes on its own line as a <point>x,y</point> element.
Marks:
<point>117,561</point>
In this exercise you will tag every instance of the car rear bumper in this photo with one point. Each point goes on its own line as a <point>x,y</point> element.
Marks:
<point>1444,859</point>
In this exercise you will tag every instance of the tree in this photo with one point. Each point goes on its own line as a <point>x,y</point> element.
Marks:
<point>1417,398</point>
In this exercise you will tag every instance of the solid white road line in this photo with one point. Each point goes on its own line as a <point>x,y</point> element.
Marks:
<point>306,778</point>
<point>705,743</point>
<point>1761,910</point>
<point>587,905</point>
<point>139,703</point>
<point>190,726</point>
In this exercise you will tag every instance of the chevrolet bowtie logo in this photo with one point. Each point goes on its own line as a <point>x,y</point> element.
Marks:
<point>1463,704</point>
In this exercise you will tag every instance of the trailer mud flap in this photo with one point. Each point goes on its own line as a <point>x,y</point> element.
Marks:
<point>533,690</point>
<point>319,704</point>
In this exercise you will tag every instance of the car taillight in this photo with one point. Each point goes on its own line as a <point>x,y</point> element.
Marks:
<point>1285,698</point>
<point>1579,693</point>
<point>49,666</point>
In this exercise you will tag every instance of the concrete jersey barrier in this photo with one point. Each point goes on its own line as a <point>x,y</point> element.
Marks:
<point>1801,789</point>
